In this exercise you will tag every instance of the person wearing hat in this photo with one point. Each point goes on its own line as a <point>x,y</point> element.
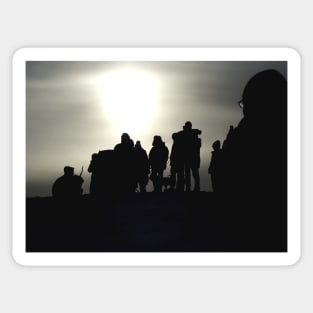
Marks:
<point>68,185</point>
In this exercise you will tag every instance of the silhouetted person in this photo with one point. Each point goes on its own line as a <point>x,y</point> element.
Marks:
<point>185,157</point>
<point>142,167</point>
<point>124,152</point>
<point>177,163</point>
<point>192,145</point>
<point>229,134</point>
<point>68,185</point>
<point>158,157</point>
<point>256,148</point>
<point>215,166</point>
<point>254,162</point>
<point>95,173</point>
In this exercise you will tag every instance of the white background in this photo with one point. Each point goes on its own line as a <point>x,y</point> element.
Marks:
<point>153,24</point>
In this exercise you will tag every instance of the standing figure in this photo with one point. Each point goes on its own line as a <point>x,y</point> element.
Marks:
<point>125,171</point>
<point>68,185</point>
<point>192,145</point>
<point>142,168</point>
<point>177,163</point>
<point>94,170</point>
<point>158,157</point>
<point>185,157</point>
<point>215,166</point>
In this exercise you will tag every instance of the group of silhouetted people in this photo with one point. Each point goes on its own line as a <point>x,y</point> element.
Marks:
<point>248,169</point>
<point>252,157</point>
<point>127,168</point>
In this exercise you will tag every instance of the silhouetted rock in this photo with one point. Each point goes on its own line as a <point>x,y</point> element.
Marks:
<point>104,169</point>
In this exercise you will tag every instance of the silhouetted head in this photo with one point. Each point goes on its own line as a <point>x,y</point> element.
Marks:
<point>94,156</point>
<point>265,96</point>
<point>157,141</point>
<point>216,145</point>
<point>68,170</point>
<point>125,138</point>
<point>138,145</point>
<point>187,126</point>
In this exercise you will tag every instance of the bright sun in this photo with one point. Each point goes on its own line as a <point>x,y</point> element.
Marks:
<point>130,99</point>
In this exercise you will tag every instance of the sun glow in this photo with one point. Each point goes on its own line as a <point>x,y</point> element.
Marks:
<point>130,99</point>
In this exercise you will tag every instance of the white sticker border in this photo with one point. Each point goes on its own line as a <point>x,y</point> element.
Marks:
<point>150,258</point>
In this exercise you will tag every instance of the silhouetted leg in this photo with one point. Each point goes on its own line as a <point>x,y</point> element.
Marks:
<point>187,178</point>
<point>213,181</point>
<point>180,180</point>
<point>92,187</point>
<point>142,185</point>
<point>196,177</point>
<point>159,181</point>
<point>154,179</point>
<point>173,178</point>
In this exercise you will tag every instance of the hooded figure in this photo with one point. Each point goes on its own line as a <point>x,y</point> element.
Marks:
<point>124,153</point>
<point>142,167</point>
<point>158,157</point>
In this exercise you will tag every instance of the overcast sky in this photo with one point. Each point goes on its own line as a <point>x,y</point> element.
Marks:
<point>71,109</point>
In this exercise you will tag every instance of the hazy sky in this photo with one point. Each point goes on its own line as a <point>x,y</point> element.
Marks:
<point>74,109</point>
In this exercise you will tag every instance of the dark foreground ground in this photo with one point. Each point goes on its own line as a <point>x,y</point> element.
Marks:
<point>167,222</point>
